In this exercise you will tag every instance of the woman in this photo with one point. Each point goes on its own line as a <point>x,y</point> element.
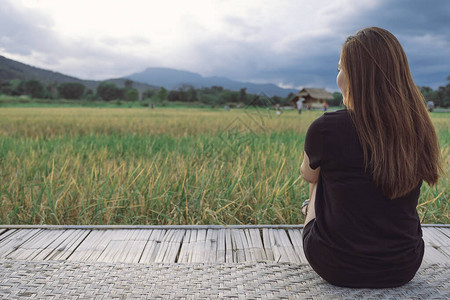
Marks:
<point>365,165</point>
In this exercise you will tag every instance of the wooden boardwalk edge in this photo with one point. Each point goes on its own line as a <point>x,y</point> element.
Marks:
<point>178,244</point>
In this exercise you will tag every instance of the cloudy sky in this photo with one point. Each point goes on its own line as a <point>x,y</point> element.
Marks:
<point>286,42</point>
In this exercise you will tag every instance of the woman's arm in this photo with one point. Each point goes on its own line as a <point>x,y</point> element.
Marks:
<point>312,176</point>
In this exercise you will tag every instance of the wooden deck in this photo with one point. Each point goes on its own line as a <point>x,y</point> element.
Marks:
<point>177,244</point>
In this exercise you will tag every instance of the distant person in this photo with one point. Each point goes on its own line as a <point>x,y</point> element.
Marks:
<point>299,105</point>
<point>227,108</point>
<point>430,105</point>
<point>365,167</point>
<point>309,106</point>
<point>278,112</point>
<point>325,106</point>
<point>152,106</point>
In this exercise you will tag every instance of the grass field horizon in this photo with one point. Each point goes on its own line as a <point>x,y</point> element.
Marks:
<point>97,166</point>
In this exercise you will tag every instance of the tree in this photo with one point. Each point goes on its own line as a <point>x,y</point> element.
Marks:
<point>242,94</point>
<point>6,88</point>
<point>71,90</point>
<point>131,95</point>
<point>147,94</point>
<point>174,96</point>
<point>428,93</point>
<point>443,96</point>
<point>33,88</point>
<point>229,96</point>
<point>192,95</point>
<point>162,94</point>
<point>52,90</point>
<point>277,99</point>
<point>109,91</point>
<point>217,88</point>
<point>337,99</point>
<point>128,84</point>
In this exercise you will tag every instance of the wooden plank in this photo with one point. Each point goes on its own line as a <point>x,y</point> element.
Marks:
<point>278,256</point>
<point>211,245</point>
<point>256,240</point>
<point>23,250</point>
<point>437,244</point>
<point>35,245</point>
<point>120,246</point>
<point>53,245</point>
<point>136,247</point>
<point>184,251</point>
<point>7,234</point>
<point>267,245</point>
<point>92,246</point>
<point>221,248</point>
<point>297,242</point>
<point>432,255</point>
<point>2,231</point>
<point>152,246</point>
<point>248,247</point>
<point>170,246</point>
<point>68,245</point>
<point>288,247</point>
<point>238,246</point>
<point>127,241</point>
<point>174,245</point>
<point>445,231</point>
<point>446,250</point>
<point>116,248</point>
<point>282,247</point>
<point>11,239</point>
<point>165,243</point>
<point>284,257</point>
<point>107,253</point>
<point>435,237</point>
<point>199,246</point>
<point>14,241</point>
<point>192,245</point>
<point>191,257</point>
<point>230,255</point>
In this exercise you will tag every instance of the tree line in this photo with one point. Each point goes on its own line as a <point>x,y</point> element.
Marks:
<point>215,95</point>
<point>440,96</point>
<point>106,91</point>
<point>109,91</point>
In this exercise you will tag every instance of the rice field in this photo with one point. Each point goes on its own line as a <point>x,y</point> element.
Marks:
<point>165,166</point>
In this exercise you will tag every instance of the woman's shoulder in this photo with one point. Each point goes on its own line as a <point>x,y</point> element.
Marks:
<point>333,118</point>
<point>334,124</point>
<point>341,113</point>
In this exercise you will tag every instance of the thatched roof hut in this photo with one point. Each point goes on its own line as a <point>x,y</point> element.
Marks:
<point>314,98</point>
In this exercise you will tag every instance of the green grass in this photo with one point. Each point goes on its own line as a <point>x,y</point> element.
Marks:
<point>164,166</point>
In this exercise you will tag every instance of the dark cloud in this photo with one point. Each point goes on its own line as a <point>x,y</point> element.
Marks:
<point>422,27</point>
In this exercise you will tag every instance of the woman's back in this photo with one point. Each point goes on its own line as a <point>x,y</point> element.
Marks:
<point>355,223</point>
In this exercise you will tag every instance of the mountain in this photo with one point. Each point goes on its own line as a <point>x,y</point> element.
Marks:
<point>11,69</point>
<point>151,78</point>
<point>173,79</point>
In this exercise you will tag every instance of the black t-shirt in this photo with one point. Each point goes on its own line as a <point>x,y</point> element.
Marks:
<point>359,238</point>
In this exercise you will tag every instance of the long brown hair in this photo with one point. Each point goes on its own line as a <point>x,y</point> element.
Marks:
<point>398,139</point>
